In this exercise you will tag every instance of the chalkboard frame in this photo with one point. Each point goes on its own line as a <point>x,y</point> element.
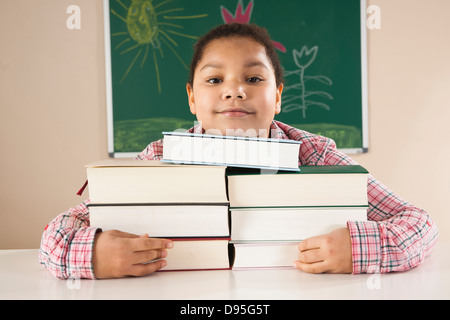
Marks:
<point>109,89</point>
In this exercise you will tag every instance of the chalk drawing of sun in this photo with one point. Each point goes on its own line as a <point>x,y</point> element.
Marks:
<point>150,27</point>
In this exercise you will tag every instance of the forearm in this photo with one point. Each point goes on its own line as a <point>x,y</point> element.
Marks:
<point>397,237</point>
<point>67,244</point>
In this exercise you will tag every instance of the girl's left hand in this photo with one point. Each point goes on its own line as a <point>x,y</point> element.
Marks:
<point>328,253</point>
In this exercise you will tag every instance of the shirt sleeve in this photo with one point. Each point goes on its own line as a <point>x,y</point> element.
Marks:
<point>153,151</point>
<point>67,244</point>
<point>397,236</point>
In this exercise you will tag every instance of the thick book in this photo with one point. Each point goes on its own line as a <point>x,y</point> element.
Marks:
<point>311,186</point>
<point>142,181</point>
<point>264,255</point>
<point>232,151</point>
<point>198,254</point>
<point>163,220</point>
<point>290,223</point>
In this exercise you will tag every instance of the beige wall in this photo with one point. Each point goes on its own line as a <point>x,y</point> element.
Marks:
<point>53,111</point>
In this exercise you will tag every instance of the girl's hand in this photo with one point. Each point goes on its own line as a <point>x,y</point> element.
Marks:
<point>119,254</point>
<point>329,253</point>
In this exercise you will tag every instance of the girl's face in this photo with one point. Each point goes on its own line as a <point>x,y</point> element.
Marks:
<point>234,90</point>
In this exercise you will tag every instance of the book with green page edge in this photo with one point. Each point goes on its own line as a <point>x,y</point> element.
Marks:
<point>310,186</point>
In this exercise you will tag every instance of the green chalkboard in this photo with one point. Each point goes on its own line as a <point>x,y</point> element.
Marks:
<point>148,46</point>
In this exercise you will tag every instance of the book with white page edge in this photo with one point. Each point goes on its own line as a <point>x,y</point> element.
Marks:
<point>163,220</point>
<point>264,255</point>
<point>290,223</point>
<point>247,152</point>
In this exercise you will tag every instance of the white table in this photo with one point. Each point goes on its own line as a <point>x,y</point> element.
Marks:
<point>22,277</point>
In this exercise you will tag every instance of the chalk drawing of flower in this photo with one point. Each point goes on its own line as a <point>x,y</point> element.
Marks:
<point>305,57</point>
<point>303,60</point>
<point>242,15</point>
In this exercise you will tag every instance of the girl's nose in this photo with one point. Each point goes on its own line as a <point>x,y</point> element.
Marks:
<point>234,92</point>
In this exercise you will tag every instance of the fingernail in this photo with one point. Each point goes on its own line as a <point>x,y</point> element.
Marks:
<point>163,253</point>
<point>169,245</point>
<point>163,264</point>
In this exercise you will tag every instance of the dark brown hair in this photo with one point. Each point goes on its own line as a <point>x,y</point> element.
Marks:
<point>251,31</point>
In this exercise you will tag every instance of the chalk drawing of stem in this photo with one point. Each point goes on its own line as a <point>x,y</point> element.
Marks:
<point>303,59</point>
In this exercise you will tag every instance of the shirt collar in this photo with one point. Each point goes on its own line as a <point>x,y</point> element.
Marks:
<point>197,128</point>
<point>276,132</point>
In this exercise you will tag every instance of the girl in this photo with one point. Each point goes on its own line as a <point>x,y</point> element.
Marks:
<point>235,87</point>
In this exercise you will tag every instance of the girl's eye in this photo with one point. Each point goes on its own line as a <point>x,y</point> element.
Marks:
<point>254,79</point>
<point>214,80</point>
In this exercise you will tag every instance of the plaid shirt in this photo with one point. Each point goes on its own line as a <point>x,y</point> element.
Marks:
<point>397,236</point>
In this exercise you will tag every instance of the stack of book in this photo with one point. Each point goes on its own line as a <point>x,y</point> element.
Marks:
<point>185,203</point>
<point>227,202</point>
<point>272,213</point>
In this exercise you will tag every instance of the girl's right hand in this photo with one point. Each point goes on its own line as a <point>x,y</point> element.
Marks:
<point>119,254</point>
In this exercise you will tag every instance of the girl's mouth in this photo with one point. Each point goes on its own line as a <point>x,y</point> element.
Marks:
<point>235,112</point>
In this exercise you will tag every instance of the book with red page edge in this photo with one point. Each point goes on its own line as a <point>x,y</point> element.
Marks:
<point>196,254</point>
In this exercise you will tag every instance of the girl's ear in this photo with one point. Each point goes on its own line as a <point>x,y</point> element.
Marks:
<point>278,99</point>
<point>190,93</point>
